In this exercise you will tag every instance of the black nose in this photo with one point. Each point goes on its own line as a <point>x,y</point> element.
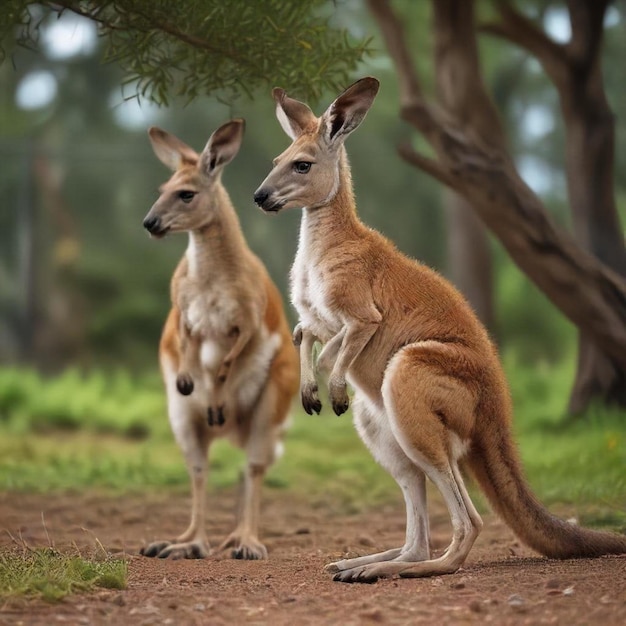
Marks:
<point>152,224</point>
<point>261,196</point>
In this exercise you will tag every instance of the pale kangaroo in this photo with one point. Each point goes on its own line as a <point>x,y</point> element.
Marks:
<point>429,391</point>
<point>226,332</point>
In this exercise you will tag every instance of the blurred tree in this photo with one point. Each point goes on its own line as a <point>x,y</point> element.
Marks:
<point>103,173</point>
<point>43,318</point>
<point>193,47</point>
<point>576,72</point>
<point>83,177</point>
<point>463,128</point>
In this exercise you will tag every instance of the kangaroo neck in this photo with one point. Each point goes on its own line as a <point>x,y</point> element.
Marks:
<point>336,220</point>
<point>217,248</point>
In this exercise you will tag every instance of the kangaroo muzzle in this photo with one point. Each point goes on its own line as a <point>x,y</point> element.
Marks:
<point>263,199</point>
<point>154,226</point>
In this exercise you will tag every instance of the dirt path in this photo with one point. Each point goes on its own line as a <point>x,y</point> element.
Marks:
<point>502,582</point>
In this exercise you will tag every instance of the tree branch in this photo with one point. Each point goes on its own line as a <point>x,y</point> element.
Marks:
<point>473,160</point>
<point>430,166</point>
<point>393,34</point>
<point>151,24</point>
<point>587,20</point>
<point>518,29</point>
<point>210,46</point>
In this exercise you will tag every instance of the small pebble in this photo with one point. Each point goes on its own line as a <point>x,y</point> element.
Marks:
<point>375,615</point>
<point>516,602</point>
<point>475,606</point>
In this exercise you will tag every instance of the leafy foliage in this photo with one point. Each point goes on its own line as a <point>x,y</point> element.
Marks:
<point>193,47</point>
<point>115,404</point>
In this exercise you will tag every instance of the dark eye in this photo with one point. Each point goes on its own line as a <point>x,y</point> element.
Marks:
<point>302,167</point>
<point>186,196</point>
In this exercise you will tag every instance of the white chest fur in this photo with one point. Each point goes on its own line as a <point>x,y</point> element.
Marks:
<point>309,295</point>
<point>210,314</point>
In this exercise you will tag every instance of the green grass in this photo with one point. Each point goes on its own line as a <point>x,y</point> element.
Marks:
<point>97,403</point>
<point>581,463</point>
<point>50,575</point>
<point>567,460</point>
<point>78,432</point>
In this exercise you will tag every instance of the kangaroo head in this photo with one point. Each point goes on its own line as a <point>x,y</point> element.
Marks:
<point>306,174</point>
<point>187,201</point>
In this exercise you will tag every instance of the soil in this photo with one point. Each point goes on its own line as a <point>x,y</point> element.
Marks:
<point>501,583</point>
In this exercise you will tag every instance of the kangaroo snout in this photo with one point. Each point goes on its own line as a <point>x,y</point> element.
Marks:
<point>262,198</point>
<point>153,225</point>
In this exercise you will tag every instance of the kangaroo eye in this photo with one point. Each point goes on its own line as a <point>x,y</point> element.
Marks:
<point>186,196</point>
<point>302,167</point>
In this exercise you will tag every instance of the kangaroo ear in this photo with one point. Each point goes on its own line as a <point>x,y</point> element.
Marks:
<point>170,150</point>
<point>222,146</point>
<point>348,110</point>
<point>295,117</point>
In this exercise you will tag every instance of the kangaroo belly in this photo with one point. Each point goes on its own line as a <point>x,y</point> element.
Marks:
<point>250,377</point>
<point>211,354</point>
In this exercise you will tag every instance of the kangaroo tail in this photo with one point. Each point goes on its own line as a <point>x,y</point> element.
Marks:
<point>495,463</point>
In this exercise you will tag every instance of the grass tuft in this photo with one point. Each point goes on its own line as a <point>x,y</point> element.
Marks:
<point>49,575</point>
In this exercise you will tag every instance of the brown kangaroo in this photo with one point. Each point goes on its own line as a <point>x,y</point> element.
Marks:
<point>429,390</point>
<point>227,359</point>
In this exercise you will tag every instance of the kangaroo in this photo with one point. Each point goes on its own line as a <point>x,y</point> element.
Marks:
<point>227,359</point>
<point>429,390</point>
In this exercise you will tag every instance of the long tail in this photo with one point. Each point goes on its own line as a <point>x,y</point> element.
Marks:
<point>495,463</point>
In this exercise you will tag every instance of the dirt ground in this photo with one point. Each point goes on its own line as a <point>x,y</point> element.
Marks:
<point>502,582</point>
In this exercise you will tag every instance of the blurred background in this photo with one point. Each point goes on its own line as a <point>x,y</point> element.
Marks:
<point>84,291</point>
<point>81,283</point>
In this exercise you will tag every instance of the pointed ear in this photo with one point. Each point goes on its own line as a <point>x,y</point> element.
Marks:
<point>222,146</point>
<point>294,116</point>
<point>348,110</point>
<point>170,150</point>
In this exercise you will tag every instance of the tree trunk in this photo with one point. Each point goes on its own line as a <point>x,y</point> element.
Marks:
<point>477,165</point>
<point>575,70</point>
<point>590,147</point>
<point>469,257</point>
<point>28,305</point>
<point>468,246</point>
<point>590,140</point>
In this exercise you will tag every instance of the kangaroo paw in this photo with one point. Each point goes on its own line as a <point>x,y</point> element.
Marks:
<point>184,384</point>
<point>216,416</point>
<point>310,399</point>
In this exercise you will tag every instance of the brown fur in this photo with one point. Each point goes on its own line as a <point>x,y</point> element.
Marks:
<point>430,392</point>
<point>226,332</point>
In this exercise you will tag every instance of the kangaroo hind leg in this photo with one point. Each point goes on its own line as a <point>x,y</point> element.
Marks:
<point>262,448</point>
<point>192,435</point>
<point>374,429</point>
<point>431,414</point>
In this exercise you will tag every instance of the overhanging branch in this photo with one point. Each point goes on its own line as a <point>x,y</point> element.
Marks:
<point>520,30</point>
<point>472,160</point>
<point>430,166</point>
<point>393,34</point>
